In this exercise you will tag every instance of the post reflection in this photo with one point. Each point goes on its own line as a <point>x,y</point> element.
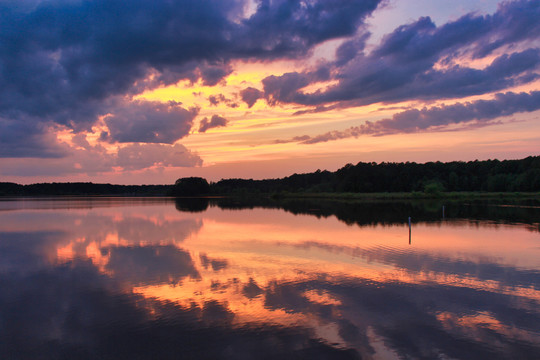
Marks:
<point>91,280</point>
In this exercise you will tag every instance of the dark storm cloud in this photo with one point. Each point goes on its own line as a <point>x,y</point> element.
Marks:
<point>62,61</point>
<point>62,55</point>
<point>215,121</point>
<point>418,61</point>
<point>436,117</point>
<point>283,27</point>
<point>213,74</point>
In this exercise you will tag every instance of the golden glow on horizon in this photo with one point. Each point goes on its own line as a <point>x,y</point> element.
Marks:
<point>263,133</point>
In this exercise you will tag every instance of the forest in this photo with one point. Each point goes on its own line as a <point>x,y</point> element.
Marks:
<point>428,178</point>
<point>433,177</point>
<point>81,188</point>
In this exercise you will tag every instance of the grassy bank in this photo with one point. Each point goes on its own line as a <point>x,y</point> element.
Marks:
<point>461,195</point>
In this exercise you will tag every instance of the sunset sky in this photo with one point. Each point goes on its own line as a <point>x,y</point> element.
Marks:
<point>141,92</point>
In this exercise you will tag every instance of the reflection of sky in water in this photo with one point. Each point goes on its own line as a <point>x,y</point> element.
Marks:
<point>136,279</point>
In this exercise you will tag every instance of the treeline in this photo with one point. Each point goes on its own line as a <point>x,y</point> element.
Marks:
<point>432,177</point>
<point>82,188</point>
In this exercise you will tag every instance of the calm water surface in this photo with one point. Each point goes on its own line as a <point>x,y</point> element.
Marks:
<point>223,279</point>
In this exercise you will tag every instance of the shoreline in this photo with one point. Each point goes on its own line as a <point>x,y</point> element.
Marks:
<point>345,196</point>
<point>461,195</point>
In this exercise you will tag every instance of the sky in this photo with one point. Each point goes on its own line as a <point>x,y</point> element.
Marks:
<point>146,92</point>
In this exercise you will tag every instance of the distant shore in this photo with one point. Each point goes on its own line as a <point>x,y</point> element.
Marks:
<point>455,180</point>
<point>284,195</point>
<point>459,195</point>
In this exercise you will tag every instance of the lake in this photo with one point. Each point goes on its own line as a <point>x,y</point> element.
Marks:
<point>159,278</point>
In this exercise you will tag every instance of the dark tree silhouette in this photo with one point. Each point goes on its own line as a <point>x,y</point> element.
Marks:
<point>430,178</point>
<point>190,186</point>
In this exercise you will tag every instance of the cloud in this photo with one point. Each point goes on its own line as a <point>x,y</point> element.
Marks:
<point>100,317</point>
<point>100,320</point>
<point>436,117</point>
<point>23,139</point>
<point>26,252</point>
<point>420,61</point>
<point>286,28</point>
<point>93,160</point>
<point>513,22</point>
<point>141,156</point>
<point>215,264</point>
<point>211,74</point>
<point>285,88</point>
<point>349,49</point>
<point>149,122</point>
<point>367,80</point>
<point>215,100</point>
<point>250,96</point>
<point>215,121</point>
<point>143,265</point>
<point>68,64</point>
<point>61,62</point>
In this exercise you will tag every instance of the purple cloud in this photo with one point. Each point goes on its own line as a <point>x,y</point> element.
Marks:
<point>21,139</point>
<point>61,62</point>
<point>215,100</point>
<point>407,63</point>
<point>142,156</point>
<point>65,64</point>
<point>215,121</point>
<point>250,96</point>
<point>94,160</point>
<point>435,118</point>
<point>149,122</point>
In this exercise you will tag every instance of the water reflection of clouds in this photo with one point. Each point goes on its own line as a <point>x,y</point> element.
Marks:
<point>25,252</point>
<point>150,264</point>
<point>140,285</point>
<point>480,268</point>
<point>72,311</point>
<point>214,264</point>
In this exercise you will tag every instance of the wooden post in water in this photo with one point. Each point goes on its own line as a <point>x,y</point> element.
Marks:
<point>409,230</point>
